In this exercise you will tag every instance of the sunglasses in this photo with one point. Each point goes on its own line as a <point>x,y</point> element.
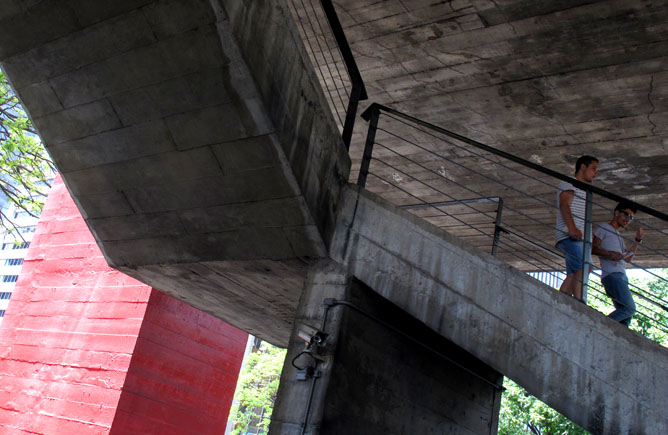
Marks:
<point>628,216</point>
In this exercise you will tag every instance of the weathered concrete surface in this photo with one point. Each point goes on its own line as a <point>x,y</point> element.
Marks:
<point>374,378</point>
<point>550,79</point>
<point>194,138</point>
<point>596,372</point>
<point>547,81</point>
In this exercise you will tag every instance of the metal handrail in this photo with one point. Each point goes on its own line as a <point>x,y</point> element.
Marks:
<point>372,115</point>
<point>358,92</point>
<point>367,114</point>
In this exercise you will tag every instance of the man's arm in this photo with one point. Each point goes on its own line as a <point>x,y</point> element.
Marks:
<point>635,245</point>
<point>597,250</point>
<point>565,199</point>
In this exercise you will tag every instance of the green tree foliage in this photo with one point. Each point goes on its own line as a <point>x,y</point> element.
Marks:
<point>25,167</point>
<point>522,413</point>
<point>256,390</point>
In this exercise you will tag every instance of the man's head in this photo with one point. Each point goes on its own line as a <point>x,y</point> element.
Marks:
<point>586,168</point>
<point>624,213</point>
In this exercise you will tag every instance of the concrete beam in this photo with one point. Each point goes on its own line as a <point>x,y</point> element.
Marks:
<point>593,370</point>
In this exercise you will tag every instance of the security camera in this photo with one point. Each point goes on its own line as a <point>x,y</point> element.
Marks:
<point>311,335</point>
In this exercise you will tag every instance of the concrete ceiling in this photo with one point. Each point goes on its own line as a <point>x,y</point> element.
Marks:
<point>546,81</point>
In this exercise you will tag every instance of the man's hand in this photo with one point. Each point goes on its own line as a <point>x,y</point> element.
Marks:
<point>615,256</point>
<point>575,234</point>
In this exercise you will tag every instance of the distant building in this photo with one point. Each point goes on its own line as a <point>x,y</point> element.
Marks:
<point>13,249</point>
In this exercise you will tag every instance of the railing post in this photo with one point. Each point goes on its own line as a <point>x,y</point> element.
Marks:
<point>351,112</point>
<point>497,227</point>
<point>586,251</point>
<point>358,91</point>
<point>371,114</point>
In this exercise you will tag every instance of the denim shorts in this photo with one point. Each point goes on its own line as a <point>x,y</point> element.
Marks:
<point>572,250</point>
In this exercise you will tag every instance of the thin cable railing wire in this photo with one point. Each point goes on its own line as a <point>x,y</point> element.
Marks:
<point>517,170</point>
<point>489,178</point>
<point>464,223</point>
<point>334,61</point>
<point>597,293</point>
<point>511,252</point>
<point>600,206</point>
<point>308,41</point>
<point>479,211</point>
<point>640,295</point>
<point>465,187</point>
<point>637,292</point>
<point>647,248</point>
<point>329,50</point>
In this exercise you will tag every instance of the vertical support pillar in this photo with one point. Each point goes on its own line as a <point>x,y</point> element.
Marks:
<point>586,251</point>
<point>359,364</point>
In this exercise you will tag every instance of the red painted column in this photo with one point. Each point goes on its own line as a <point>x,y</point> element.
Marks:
<point>85,349</point>
<point>183,372</point>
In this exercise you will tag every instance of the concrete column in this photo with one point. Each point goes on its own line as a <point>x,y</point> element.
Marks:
<point>378,371</point>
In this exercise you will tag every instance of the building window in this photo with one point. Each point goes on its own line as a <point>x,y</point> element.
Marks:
<point>5,295</point>
<point>2,313</point>
<point>13,261</point>
<point>10,278</point>
<point>27,229</point>
<point>7,246</point>
<point>20,214</point>
<point>23,245</point>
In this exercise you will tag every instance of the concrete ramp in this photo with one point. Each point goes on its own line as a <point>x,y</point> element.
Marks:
<point>596,372</point>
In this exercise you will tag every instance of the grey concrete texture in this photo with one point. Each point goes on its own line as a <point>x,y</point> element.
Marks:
<point>593,370</point>
<point>546,81</point>
<point>259,297</point>
<point>153,117</point>
<point>189,133</point>
<point>375,380</point>
<point>295,103</point>
<point>325,279</point>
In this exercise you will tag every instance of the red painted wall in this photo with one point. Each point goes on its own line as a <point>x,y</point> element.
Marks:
<point>183,372</point>
<point>85,349</point>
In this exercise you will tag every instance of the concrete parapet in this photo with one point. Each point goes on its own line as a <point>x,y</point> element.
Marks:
<point>596,372</point>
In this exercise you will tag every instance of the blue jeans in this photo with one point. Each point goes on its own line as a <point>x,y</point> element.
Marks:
<point>617,288</point>
<point>572,250</point>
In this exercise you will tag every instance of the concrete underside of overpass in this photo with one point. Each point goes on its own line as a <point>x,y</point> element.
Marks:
<point>199,147</point>
<point>546,81</point>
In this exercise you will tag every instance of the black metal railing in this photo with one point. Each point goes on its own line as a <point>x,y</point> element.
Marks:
<point>497,201</point>
<point>493,199</point>
<point>333,60</point>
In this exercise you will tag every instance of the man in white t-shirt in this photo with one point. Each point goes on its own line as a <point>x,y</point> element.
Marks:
<point>570,224</point>
<point>610,247</point>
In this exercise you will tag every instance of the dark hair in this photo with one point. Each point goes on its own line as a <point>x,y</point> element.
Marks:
<point>625,205</point>
<point>584,160</point>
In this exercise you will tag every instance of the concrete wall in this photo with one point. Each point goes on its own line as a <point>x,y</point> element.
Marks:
<point>194,138</point>
<point>274,52</point>
<point>85,349</point>
<point>596,372</point>
<point>375,379</point>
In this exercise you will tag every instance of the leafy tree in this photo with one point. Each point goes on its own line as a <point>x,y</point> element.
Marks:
<point>256,390</point>
<point>522,413</point>
<point>25,167</point>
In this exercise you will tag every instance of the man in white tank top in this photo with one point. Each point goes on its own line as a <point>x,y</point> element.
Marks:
<point>570,224</point>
